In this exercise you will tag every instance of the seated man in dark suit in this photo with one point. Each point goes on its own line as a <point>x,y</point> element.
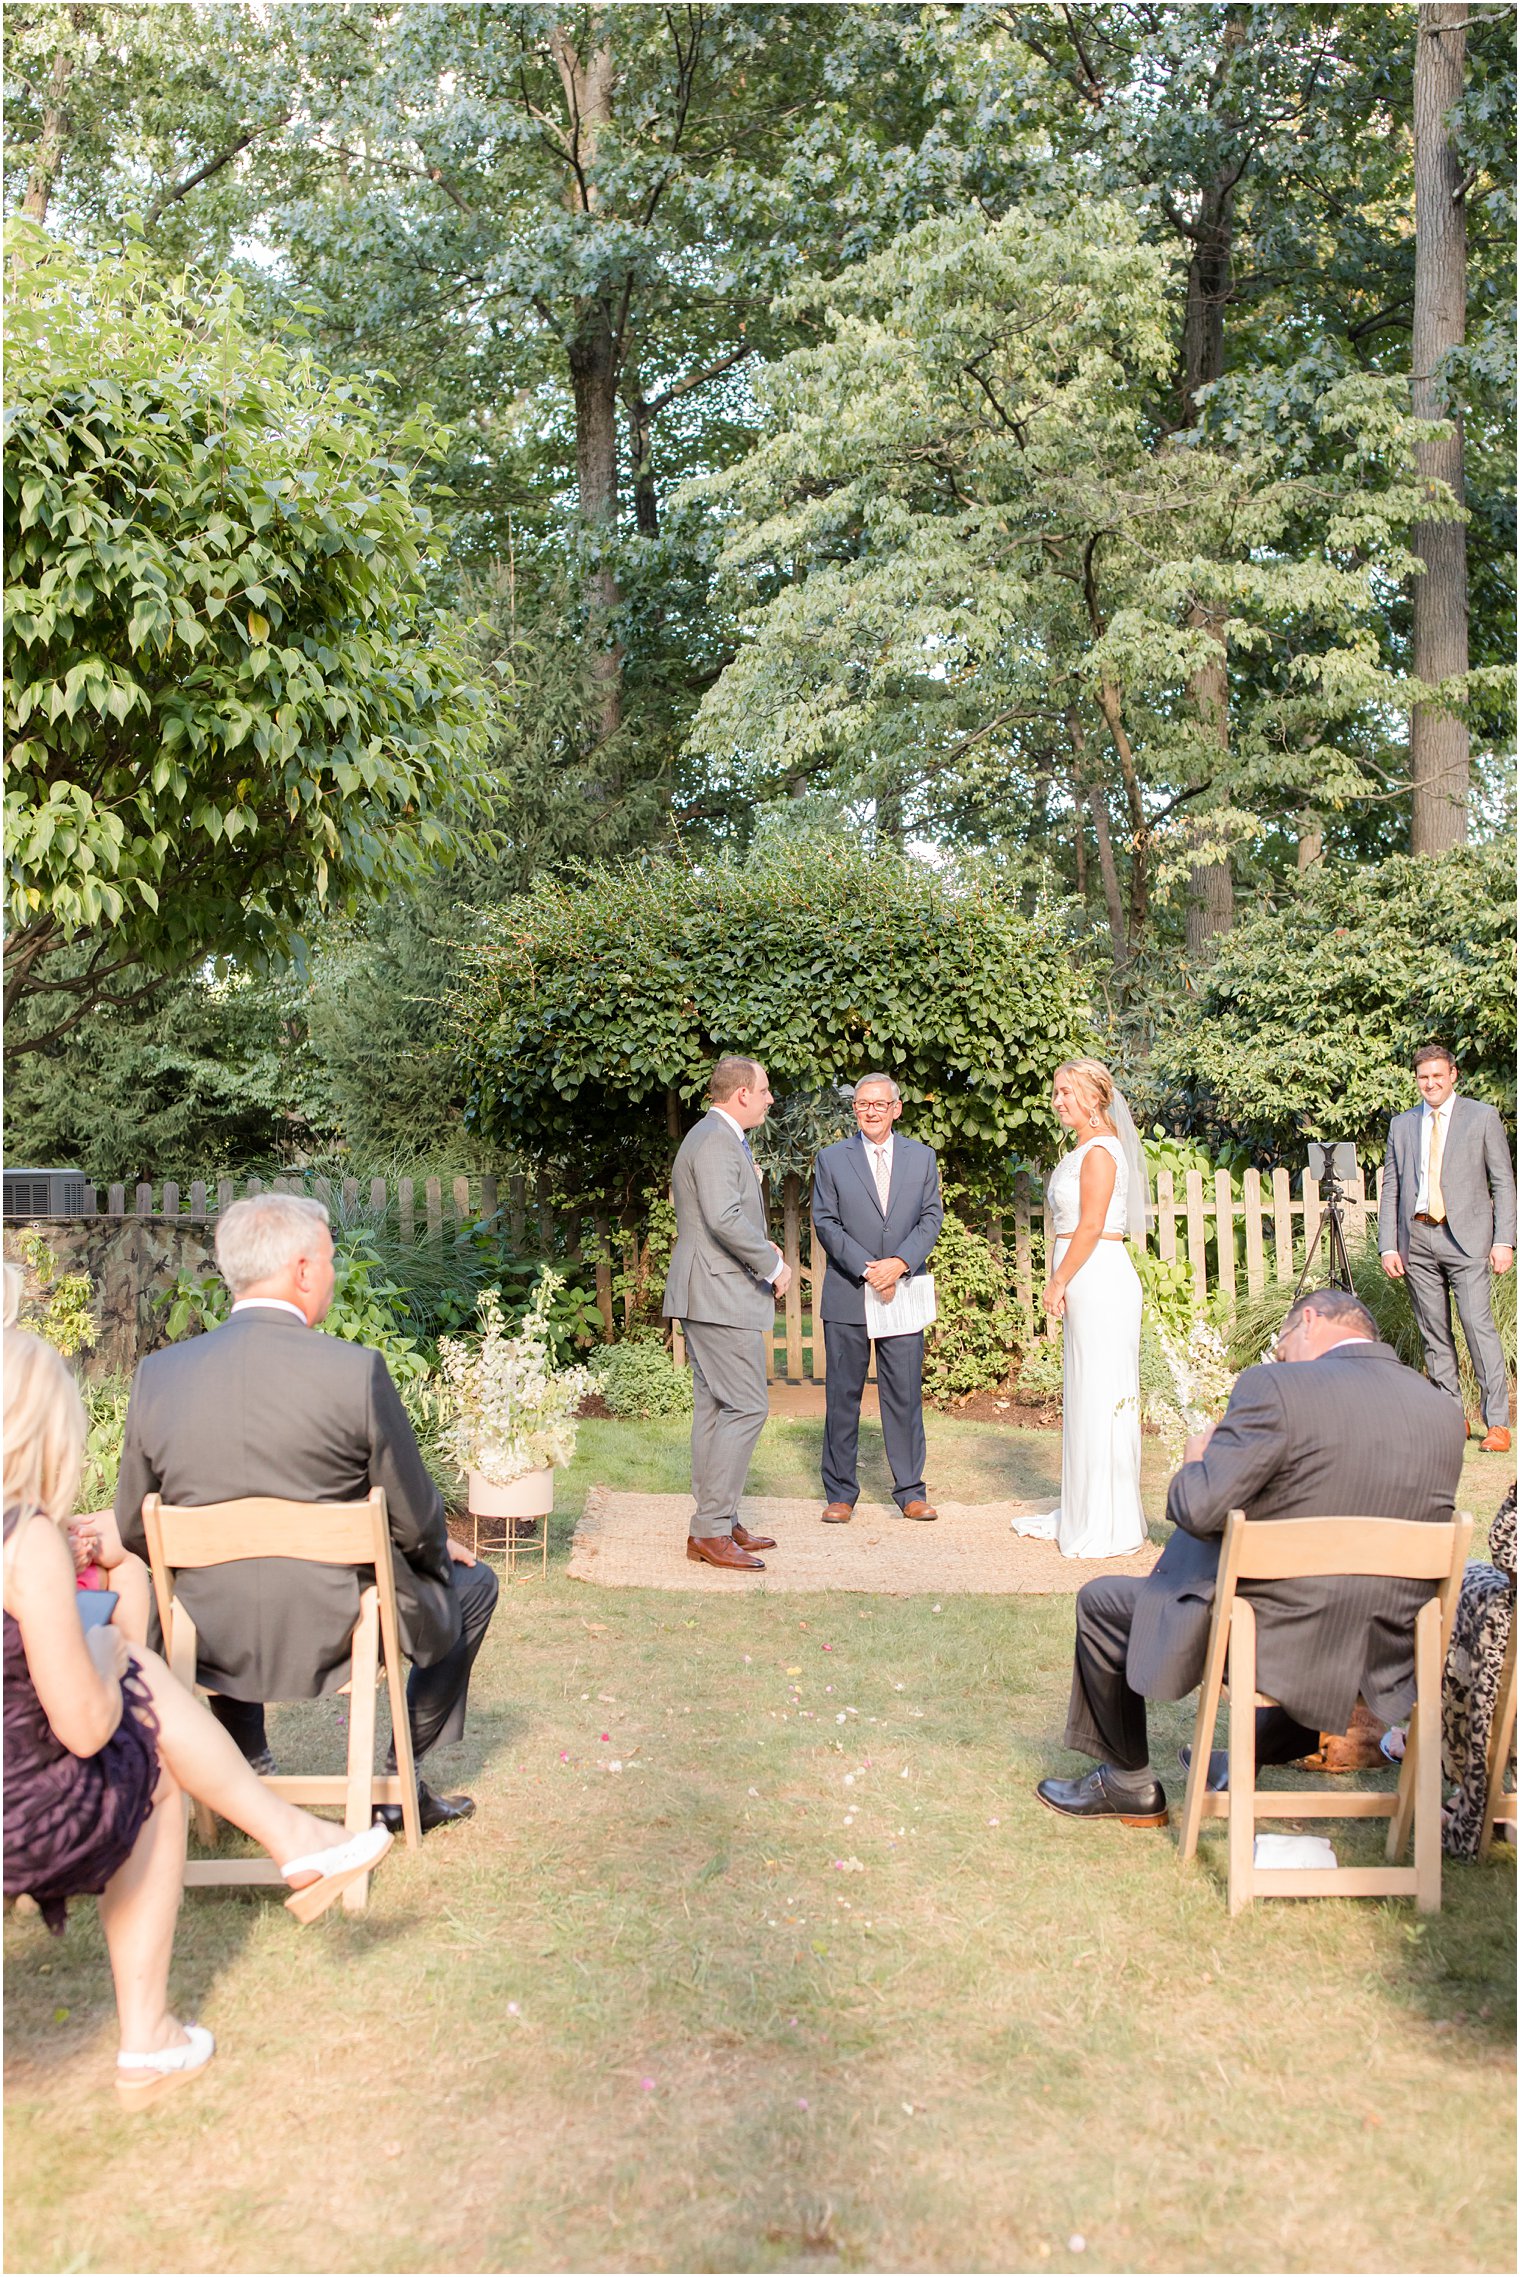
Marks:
<point>262,1406</point>
<point>1345,1431</point>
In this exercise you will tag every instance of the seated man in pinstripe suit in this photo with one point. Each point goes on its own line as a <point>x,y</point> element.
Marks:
<point>1345,1430</point>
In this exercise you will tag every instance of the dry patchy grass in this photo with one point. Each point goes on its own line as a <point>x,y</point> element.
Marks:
<point>642,2019</point>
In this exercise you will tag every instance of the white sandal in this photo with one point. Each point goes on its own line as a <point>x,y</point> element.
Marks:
<point>336,1868</point>
<point>139,2079</point>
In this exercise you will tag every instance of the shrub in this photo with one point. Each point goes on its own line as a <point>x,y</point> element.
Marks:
<point>1040,1371</point>
<point>57,1305</point>
<point>972,1343</point>
<point>592,1011</point>
<point>105,1407</point>
<point>640,1378</point>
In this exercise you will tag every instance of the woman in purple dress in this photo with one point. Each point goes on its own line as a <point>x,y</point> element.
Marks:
<point>102,1743</point>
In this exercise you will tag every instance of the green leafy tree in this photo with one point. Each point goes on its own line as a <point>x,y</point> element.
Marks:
<point>571,222</point>
<point>1305,1024</point>
<point>588,1019</point>
<point>1270,153</point>
<point>958,542</point>
<point>199,1076</point>
<point>228,695</point>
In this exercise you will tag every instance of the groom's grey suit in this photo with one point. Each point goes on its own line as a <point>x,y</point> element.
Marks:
<point>719,1288</point>
<point>1450,1259</point>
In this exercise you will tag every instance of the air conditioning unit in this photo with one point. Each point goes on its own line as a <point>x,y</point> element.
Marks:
<point>47,1194</point>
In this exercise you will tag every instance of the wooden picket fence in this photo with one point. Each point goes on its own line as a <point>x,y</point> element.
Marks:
<point>1196,1227</point>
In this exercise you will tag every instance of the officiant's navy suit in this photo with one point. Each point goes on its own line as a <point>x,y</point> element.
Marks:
<point>855,1231</point>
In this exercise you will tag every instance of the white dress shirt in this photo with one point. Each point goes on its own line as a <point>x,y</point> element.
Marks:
<point>881,1153</point>
<point>271,1304</point>
<point>1429,1117</point>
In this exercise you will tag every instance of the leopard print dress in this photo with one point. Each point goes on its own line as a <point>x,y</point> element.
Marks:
<point>1469,1695</point>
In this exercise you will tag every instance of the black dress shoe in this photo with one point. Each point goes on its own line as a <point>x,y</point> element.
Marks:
<point>1091,1798</point>
<point>436,1810</point>
<point>1219,1768</point>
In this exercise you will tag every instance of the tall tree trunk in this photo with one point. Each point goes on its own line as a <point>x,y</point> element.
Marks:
<point>1311,840</point>
<point>646,504</point>
<point>586,75</point>
<point>1212,238</point>
<point>1111,703</point>
<point>1211,889</point>
<point>1113,900</point>
<point>43,171</point>
<point>1097,807</point>
<point>1438,752</point>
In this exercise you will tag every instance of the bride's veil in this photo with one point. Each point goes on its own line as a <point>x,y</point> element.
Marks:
<point>1129,1138</point>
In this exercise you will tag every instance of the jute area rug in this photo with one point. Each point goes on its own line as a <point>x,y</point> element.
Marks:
<point>638,1541</point>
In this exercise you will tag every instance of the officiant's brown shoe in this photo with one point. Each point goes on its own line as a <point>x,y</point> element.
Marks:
<point>919,1510</point>
<point>717,1549</point>
<point>748,1541</point>
<point>838,1513</point>
<point>1497,1442</point>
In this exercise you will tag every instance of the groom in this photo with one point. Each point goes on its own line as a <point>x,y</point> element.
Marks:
<point>725,1277</point>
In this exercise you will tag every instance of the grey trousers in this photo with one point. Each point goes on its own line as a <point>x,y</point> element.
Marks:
<point>728,1416</point>
<point>1435,1271</point>
<point>900,1396</point>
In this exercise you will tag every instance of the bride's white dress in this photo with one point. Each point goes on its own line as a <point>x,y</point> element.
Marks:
<point>1099,1514</point>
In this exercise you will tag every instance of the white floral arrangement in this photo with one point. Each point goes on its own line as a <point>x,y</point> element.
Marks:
<point>508,1409</point>
<point>1202,1380</point>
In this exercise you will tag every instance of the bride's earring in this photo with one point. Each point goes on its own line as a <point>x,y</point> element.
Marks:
<point>1094,1119</point>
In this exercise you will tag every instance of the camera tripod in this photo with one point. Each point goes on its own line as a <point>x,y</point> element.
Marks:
<point>1331,1230</point>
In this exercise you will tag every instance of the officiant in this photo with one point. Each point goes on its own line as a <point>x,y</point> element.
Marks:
<point>877,1212</point>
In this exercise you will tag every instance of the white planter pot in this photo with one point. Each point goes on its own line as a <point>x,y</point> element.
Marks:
<point>531,1496</point>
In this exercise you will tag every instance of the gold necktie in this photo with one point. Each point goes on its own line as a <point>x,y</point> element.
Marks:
<point>1435,1200</point>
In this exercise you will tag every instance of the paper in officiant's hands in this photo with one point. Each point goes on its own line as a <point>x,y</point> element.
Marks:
<point>910,1308</point>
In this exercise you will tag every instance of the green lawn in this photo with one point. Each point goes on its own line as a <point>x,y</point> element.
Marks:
<point>810,1982</point>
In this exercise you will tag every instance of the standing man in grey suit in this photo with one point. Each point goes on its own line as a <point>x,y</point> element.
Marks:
<point>725,1276</point>
<point>264,1406</point>
<point>877,1211</point>
<point>1344,1428</point>
<point>1445,1219</point>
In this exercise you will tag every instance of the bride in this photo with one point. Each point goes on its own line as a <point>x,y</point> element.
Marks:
<point>1097,1197</point>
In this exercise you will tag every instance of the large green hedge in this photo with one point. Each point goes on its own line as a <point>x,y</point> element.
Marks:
<point>1304,1024</point>
<point>589,1018</point>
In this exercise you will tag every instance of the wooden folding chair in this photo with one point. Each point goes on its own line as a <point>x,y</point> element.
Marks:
<point>1501,1739</point>
<point>317,1533</point>
<point>1284,1549</point>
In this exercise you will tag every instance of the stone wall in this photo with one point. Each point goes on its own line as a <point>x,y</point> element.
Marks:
<point>133,1262</point>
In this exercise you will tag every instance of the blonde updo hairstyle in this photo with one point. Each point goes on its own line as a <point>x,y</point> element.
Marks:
<point>1093,1083</point>
<point>44,1427</point>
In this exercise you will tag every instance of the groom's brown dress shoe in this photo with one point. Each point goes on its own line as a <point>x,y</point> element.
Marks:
<point>748,1541</point>
<point>1497,1442</point>
<point>919,1510</point>
<point>838,1513</point>
<point>717,1549</point>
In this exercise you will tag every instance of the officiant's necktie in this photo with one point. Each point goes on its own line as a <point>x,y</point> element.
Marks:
<point>883,1176</point>
<point>1435,1200</point>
